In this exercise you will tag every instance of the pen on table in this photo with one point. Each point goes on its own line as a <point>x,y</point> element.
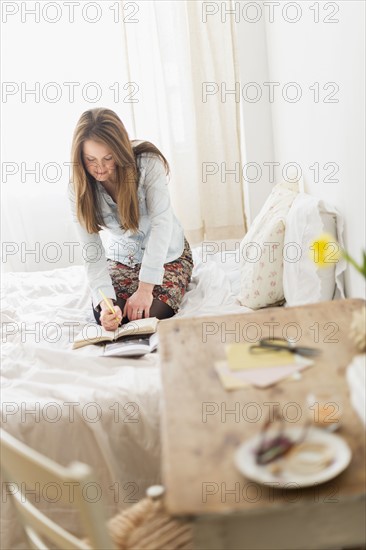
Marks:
<point>111,308</point>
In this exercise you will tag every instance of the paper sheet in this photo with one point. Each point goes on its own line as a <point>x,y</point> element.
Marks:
<point>261,378</point>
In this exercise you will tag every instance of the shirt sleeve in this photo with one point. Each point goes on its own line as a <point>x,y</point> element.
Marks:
<point>161,219</point>
<point>93,256</point>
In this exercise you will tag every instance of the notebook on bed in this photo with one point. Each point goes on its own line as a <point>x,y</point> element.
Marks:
<point>93,333</point>
<point>133,346</point>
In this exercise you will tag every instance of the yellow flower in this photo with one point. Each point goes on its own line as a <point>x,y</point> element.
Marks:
<point>325,251</point>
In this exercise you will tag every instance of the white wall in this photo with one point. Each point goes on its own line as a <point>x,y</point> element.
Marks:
<point>307,132</point>
<point>256,116</point>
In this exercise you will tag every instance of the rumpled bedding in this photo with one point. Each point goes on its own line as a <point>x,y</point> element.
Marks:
<point>77,405</point>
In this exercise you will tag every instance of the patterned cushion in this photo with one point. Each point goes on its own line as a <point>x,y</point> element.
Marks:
<point>261,251</point>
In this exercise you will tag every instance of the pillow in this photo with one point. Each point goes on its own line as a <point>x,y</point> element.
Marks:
<point>262,272</point>
<point>303,281</point>
<point>277,203</point>
<point>261,250</point>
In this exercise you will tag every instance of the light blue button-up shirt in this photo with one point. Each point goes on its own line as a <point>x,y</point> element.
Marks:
<point>159,239</point>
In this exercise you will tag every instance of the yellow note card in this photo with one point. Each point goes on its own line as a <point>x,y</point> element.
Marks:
<point>240,357</point>
<point>229,381</point>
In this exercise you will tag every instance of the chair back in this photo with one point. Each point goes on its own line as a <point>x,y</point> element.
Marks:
<point>27,471</point>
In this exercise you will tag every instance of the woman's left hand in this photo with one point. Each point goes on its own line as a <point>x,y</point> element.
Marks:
<point>138,305</point>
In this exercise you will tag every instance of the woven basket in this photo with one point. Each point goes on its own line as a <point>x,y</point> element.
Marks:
<point>146,526</point>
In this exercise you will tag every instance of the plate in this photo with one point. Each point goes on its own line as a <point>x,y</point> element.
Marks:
<point>279,474</point>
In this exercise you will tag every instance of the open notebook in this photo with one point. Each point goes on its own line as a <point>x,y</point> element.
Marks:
<point>134,346</point>
<point>93,333</point>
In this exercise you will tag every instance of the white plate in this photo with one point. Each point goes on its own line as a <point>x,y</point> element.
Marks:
<point>245,460</point>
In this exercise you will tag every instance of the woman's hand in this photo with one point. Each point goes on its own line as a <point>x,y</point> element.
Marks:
<point>108,319</point>
<point>138,305</point>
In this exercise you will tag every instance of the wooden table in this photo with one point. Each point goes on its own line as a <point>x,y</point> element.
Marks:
<point>203,424</point>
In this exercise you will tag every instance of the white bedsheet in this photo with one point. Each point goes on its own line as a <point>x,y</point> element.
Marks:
<point>102,411</point>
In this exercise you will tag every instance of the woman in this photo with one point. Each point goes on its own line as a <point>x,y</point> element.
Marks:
<point>121,186</point>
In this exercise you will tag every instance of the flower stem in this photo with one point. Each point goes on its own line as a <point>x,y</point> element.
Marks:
<point>352,262</point>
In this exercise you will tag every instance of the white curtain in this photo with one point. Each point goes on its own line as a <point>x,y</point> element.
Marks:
<point>147,61</point>
<point>180,59</point>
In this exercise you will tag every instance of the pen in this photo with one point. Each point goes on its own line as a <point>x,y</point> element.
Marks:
<point>111,308</point>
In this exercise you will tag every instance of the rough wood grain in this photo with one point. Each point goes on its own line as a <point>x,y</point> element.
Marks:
<point>197,455</point>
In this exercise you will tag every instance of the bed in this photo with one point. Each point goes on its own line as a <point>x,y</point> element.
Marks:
<point>76,404</point>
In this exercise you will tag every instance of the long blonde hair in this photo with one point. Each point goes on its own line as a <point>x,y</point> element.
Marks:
<point>104,126</point>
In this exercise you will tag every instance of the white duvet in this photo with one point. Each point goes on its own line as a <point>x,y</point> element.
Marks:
<point>76,405</point>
